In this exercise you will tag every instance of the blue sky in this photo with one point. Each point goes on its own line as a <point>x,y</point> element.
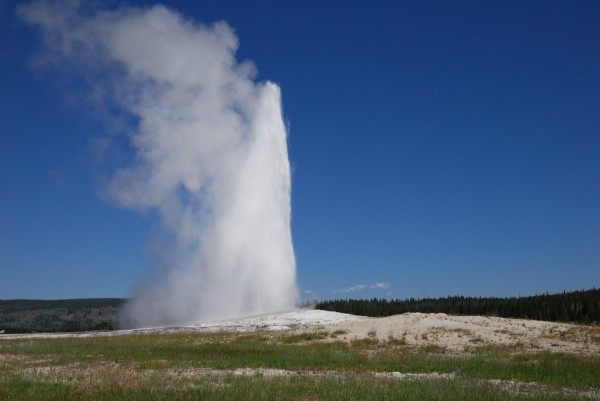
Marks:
<point>438,148</point>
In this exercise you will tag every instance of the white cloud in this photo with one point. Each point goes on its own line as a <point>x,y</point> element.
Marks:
<point>381,285</point>
<point>354,288</point>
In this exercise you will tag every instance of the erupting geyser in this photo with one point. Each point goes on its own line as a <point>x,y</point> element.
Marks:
<point>209,155</point>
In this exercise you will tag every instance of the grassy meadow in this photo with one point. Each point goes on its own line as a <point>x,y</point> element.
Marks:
<point>285,366</point>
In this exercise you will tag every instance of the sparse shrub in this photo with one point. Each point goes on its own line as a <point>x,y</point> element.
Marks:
<point>364,342</point>
<point>338,333</point>
<point>397,341</point>
<point>476,340</point>
<point>296,338</point>
<point>434,348</point>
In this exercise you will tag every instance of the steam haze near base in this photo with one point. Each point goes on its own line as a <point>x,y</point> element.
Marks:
<point>208,155</point>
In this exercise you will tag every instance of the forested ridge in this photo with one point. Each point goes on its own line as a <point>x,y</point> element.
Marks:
<point>577,306</point>
<point>62,315</point>
<point>15,305</point>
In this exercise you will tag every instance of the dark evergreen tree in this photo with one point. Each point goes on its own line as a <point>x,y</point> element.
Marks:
<point>577,306</point>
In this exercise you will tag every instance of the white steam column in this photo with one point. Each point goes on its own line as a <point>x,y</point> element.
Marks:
<point>210,156</point>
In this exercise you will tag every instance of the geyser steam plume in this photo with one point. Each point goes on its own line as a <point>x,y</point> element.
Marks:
<point>210,155</point>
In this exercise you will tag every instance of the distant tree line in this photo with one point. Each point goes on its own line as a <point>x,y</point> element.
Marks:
<point>14,305</point>
<point>63,315</point>
<point>576,306</point>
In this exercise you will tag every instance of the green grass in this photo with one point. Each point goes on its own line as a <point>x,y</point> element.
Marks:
<point>203,366</point>
<point>296,388</point>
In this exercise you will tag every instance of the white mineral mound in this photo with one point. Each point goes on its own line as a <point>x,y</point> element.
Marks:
<point>294,319</point>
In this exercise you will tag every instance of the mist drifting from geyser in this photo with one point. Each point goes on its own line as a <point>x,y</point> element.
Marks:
<point>209,155</point>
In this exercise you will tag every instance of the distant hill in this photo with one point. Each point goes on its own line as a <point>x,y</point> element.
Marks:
<point>64,315</point>
<point>575,306</point>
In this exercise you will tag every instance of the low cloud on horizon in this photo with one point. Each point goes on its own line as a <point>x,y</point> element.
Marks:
<point>359,287</point>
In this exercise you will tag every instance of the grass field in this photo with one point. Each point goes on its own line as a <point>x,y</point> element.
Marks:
<point>267,366</point>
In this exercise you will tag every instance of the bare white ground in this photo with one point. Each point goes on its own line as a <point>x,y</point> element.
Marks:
<point>464,332</point>
<point>294,319</point>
